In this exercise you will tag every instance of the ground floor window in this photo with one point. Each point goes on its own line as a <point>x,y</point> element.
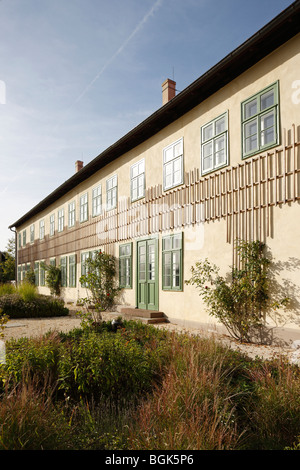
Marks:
<point>37,273</point>
<point>125,265</point>
<point>64,271</point>
<point>172,262</point>
<point>72,271</point>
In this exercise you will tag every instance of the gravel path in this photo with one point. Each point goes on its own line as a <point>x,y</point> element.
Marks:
<point>38,326</point>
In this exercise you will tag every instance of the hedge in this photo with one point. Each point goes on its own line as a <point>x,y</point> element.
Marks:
<point>42,306</point>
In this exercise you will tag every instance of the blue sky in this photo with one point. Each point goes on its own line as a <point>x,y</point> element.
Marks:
<point>76,75</point>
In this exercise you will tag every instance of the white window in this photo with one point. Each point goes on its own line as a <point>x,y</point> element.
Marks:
<point>61,220</point>
<point>260,115</point>
<point>84,207</point>
<point>32,233</point>
<point>52,225</point>
<point>173,165</point>
<point>111,192</point>
<point>42,229</point>
<point>97,201</point>
<point>71,221</point>
<point>137,177</point>
<point>214,144</point>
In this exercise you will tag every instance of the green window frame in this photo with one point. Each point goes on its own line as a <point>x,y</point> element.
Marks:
<point>52,262</point>
<point>20,240</point>
<point>60,220</point>
<point>137,180</point>
<point>111,192</point>
<point>52,225</point>
<point>260,121</point>
<point>84,209</point>
<point>71,214</point>
<point>72,270</point>
<point>23,271</point>
<point>64,271</point>
<point>83,269</point>
<point>24,237</point>
<point>173,165</point>
<point>37,273</point>
<point>97,201</point>
<point>42,274</point>
<point>172,262</point>
<point>214,144</point>
<point>125,266</point>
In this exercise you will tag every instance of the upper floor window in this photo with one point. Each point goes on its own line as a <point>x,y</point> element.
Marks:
<point>214,144</point>
<point>20,240</point>
<point>173,165</point>
<point>97,201</point>
<point>32,233</point>
<point>42,229</point>
<point>84,207</point>
<point>260,116</point>
<point>24,237</point>
<point>137,177</point>
<point>61,220</point>
<point>52,225</point>
<point>111,192</point>
<point>71,221</point>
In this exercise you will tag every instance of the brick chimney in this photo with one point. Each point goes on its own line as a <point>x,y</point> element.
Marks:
<point>78,165</point>
<point>168,90</point>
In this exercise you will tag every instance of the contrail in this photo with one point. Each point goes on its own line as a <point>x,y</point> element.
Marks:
<point>156,5</point>
<point>121,48</point>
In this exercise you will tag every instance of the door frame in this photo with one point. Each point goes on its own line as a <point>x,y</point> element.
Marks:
<point>156,283</point>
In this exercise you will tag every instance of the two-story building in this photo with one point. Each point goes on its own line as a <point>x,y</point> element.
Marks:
<point>217,162</point>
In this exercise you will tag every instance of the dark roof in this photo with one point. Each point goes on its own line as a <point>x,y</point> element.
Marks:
<point>275,33</point>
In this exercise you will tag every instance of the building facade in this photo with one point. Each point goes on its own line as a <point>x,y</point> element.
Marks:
<point>220,161</point>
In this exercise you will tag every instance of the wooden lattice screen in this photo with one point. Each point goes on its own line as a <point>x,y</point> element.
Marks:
<point>243,195</point>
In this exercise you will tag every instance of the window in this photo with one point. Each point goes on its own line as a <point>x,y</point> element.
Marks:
<point>97,201</point>
<point>214,144</point>
<point>72,218</point>
<point>52,225</point>
<point>20,240</point>
<point>84,207</point>
<point>137,177</point>
<point>84,257</point>
<point>42,229</point>
<point>24,237</point>
<point>260,115</point>
<point>19,273</point>
<point>42,275</point>
<point>172,262</point>
<point>32,233</point>
<point>52,262</point>
<point>125,265</point>
<point>63,268</point>
<point>173,165</point>
<point>72,271</point>
<point>23,271</point>
<point>36,272</point>
<point>61,220</point>
<point>111,192</point>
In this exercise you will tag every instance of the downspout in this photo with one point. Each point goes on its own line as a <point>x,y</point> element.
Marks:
<point>16,255</point>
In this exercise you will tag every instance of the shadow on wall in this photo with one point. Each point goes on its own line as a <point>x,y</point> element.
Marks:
<point>282,288</point>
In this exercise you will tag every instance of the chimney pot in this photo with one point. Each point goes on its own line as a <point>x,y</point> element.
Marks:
<point>168,90</point>
<point>78,165</point>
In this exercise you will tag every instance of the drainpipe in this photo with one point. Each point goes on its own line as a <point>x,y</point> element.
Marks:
<point>16,256</point>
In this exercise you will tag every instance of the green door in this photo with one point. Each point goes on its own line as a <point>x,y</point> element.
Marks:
<point>147,285</point>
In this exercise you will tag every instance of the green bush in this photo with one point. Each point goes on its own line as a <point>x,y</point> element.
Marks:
<point>15,306</point>
<point>7,288</point>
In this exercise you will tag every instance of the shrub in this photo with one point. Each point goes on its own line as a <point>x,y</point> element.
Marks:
<point>242,303</point>
<point>27,291</point>
<point>15,306</point>
<point>100,282</point>
<point>53,278</point>
<point>7,288</point>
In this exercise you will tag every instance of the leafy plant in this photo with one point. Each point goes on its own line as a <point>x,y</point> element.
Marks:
<point>27,291</point>
<point>53,278</point>
<point>242,303</point>
<point>100,283</point>
<point>30,276</point>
